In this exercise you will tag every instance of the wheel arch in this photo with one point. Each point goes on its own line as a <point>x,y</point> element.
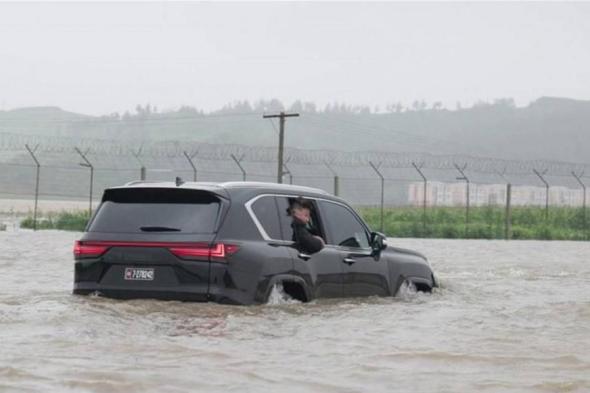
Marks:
<point>411,267</point>
<point>294,283</point>
<point>422,284</point>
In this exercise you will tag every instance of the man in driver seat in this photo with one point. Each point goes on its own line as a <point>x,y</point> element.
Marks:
<point>304,236</point>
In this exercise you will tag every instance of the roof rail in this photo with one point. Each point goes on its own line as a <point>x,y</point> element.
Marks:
<point>140,182</point>
<point>232,184</point>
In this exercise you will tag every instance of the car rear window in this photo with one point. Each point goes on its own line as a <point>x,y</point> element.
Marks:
<point>160,210</point>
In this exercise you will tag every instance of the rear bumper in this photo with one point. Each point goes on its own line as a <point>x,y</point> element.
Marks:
<point>191,294</point>
<point>194,294</point>
<point>197,281</point>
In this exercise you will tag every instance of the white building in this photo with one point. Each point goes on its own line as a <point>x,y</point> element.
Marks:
<point>454,194</point>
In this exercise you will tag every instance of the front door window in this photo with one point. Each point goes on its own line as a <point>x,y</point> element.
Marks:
<point>343,226</point>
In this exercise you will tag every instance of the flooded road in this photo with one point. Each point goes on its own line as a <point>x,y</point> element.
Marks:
<point>509,317</point>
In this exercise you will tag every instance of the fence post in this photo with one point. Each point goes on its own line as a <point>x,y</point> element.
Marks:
<point>508,213</point>
<point>190,161</point>
<point>87,164</point>
<point>142,169</point>
<point>540,175</point>
<point>336,179</point>
<point>376,169</point>
<point>238,163</point>
<point>508,222</point>
<point>463,177</point>
<point>32,153</point>
<point>584,220</point>
<point>425,184</point>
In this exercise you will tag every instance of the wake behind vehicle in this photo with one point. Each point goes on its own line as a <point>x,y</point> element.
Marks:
<point>231,243</point>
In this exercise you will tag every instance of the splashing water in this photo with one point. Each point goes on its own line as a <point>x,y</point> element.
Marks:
<point>278,296</point>
<point>407,291</point>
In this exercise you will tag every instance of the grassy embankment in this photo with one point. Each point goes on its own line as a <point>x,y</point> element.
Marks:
<point>67,221</point>
<point>564,223</point>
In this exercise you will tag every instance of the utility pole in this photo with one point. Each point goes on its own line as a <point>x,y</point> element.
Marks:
<point>282,116</point>
<point>288,172</point>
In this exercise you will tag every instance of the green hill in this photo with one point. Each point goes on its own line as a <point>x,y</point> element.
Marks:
<point>548,128</point>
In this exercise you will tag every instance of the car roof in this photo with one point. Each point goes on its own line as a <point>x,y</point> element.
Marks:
<point>225,188</point>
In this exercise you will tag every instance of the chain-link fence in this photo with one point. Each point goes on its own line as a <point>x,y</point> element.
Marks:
<point>64,172</point>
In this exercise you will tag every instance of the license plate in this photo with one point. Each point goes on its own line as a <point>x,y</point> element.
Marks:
<point>139,274</point>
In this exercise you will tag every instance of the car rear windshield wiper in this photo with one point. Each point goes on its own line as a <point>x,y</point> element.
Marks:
<point>159,229</point>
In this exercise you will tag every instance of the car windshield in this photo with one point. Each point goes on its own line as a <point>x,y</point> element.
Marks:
<point>136,210</point>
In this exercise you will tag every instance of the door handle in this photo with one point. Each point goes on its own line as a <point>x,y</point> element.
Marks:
<point>279,243</point>
<point>349,261</point>
<point>304,256</point>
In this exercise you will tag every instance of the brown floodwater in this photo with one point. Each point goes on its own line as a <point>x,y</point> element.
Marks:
<point>509,317</point>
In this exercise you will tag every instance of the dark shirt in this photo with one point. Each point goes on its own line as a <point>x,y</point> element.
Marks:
<point>304,239</point>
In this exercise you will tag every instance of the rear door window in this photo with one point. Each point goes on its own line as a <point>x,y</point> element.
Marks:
<point>157,210</point>
<point>283,204</point>
<point>265,210</point>
<point>285,218</point>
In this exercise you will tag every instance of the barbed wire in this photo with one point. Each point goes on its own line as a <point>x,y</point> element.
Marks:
<point>168,150</point>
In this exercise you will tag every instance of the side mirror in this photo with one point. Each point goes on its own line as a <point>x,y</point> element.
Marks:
<point>378,242</point>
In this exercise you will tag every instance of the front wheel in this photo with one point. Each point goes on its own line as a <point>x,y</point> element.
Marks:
<point>407,289</point>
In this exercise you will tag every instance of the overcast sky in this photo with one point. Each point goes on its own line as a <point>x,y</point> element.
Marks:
<point>101,58</point>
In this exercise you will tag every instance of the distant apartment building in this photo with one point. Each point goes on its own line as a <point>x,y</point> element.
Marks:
<point>454,194</point>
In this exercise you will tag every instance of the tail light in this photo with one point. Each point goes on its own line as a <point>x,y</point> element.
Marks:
<point>217,252</point>
<point>88,250</point>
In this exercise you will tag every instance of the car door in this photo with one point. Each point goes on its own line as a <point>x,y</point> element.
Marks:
<point>266,218</point>
<point>363,273</point>
<point>322,270</point>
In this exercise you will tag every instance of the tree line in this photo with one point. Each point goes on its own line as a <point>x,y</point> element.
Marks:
<point>275,105</point>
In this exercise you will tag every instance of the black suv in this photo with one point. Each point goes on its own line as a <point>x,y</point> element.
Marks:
<point>231,243</point>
